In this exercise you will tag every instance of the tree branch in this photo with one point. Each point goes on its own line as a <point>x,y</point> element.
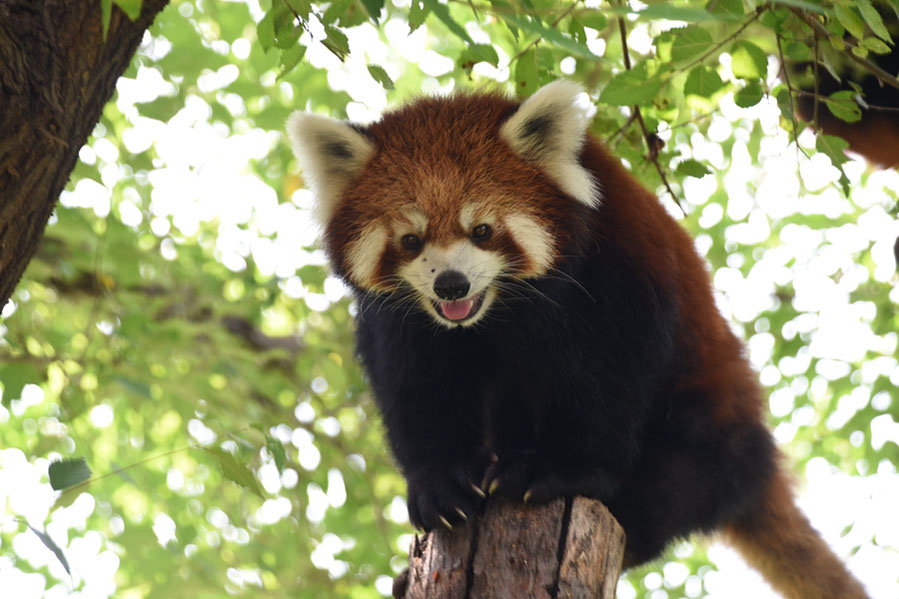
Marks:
<point>652,140</point>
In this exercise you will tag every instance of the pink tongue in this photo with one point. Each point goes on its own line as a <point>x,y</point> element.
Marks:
<point>457,310</point>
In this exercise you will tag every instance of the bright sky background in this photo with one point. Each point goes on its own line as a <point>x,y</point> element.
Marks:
<point>201,175</point>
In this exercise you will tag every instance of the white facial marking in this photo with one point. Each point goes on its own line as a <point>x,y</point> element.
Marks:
<point>535,240</point>
<point>472,215</point>
<point>416,218</point>
<point>479,266</point>
<point>365,253</point>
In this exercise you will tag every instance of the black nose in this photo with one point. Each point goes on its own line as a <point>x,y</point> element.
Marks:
<point>451,285</point>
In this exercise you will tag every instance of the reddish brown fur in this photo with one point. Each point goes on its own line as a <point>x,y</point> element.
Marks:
<point>420,159</point>
<point>777,539</point>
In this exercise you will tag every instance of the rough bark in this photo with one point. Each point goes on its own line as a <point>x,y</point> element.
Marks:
<point>56,74</point>
<point>568,549</point>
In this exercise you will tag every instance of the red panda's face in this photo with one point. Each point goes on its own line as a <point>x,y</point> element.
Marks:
<point>447,203</point>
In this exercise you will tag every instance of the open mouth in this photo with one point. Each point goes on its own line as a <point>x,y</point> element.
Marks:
<point>459,310</point>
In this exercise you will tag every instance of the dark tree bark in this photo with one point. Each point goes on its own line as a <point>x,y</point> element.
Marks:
<point>568,549</point>
<point>56,74</point>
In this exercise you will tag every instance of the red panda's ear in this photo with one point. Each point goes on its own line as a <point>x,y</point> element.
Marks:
<point>331,154</point>
<point>549,129</point>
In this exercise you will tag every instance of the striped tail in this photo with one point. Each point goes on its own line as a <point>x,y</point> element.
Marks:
<point>777,539</point>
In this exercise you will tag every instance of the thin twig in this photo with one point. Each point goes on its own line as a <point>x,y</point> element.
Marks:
<point>610,140</point>
<point>815,110</point>
<point>882,76</point>
<point>726,40</point>
<point>874,107</point>
<point>790,92</point>
<point>652,154</point>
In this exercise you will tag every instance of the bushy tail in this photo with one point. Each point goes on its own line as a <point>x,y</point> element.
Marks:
<point>777,539</point>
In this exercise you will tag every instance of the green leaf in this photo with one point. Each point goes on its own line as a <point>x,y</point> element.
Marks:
<point>550,34</point>
<point>690,42</point>
<point>873,19</point>
<point>850,20</point>
<point>842,105</point>
<point>703,81</point>
<point>442,13</point>
<point>630,87</point>
<point>418,12</point>
<point>235,471</point>
<point>52,546</point>
<point>129,7</point>
<point>287,34</point>
<point>732,9</point>
<point>336,42</point>
<point>381,76</point>
<point>373,8</point>
<point>479,53</point>
<point>593,19</point>
<point>835,149</point>
<point>749,95</point>
<point>797,51</point>
<point>15,376</point>
<point>276,448</point>
<point>749,61</point>
<point>665,10</point>
<point>67,473</point>
<point>784,103</point>
<point>291,57</point>
<point>526,78</point>
<point>876,45</point>
<point>265,31</point>
<point>692,168</point>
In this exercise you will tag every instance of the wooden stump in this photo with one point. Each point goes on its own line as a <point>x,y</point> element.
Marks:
<point>567,549</point>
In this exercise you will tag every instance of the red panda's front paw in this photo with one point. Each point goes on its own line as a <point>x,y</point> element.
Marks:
<point>445,496</point>
<point>522,476</point>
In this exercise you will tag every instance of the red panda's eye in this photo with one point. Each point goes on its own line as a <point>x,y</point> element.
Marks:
<point>411,242</point>
<point>481,233</point>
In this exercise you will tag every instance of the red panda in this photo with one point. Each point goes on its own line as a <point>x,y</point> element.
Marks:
<point>534,324</point>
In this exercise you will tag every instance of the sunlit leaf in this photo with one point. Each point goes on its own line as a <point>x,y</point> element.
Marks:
<point>479,53</point>
<point>630,87</point>
<point>336,42</point>
<point>442,12</point>
<point>593,19</point>
<point>236,471</point>
<point>549,34</point>
<point>843,106</point>
<point>749,61</point>
<point>703,81</point>
<point>526,79</point>
<point>692,168</point>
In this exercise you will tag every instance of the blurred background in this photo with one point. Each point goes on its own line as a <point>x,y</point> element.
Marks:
<point>178,330</point>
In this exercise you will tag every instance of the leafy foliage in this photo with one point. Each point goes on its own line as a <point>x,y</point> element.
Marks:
<point>179,334</point>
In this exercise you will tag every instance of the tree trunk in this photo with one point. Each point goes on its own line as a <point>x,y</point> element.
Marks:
<point>567,549</point>
<point>56,74</point>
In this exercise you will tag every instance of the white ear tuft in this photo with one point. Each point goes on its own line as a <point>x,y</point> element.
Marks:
<point>549,128</point>
<point>331,154</point>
